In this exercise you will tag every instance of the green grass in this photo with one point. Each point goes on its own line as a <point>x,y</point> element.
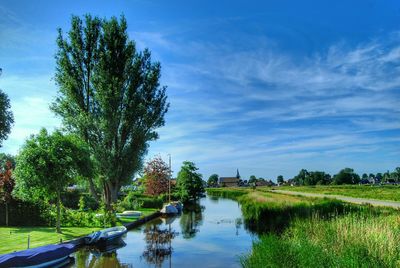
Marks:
<point>351,240</point>
<point>386,192</point>
<point>16,238</point>
<point>316,232</point>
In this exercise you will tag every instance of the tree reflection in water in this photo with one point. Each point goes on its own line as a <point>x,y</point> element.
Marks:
<point>105,257</point>
<point>158,243</point>
<point>191,219</point>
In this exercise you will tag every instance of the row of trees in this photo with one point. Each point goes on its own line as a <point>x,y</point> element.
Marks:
<point>345,176</point>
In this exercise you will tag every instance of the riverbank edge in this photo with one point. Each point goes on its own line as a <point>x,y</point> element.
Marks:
<point>79,242</point>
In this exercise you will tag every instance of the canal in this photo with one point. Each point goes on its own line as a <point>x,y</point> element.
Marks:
<point>210,234</point>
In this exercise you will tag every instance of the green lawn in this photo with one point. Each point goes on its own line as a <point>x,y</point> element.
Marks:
<point>16,238</point>
<point>386,192</point>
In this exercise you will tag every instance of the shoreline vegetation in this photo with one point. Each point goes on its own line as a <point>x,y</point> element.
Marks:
<point>316,232</point>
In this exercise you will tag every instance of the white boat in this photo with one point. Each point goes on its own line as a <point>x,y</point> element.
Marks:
<point>129,214</point>
<point>106,236</point>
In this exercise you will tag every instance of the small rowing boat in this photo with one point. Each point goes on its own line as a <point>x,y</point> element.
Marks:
<point>129,214</point>
<point>105,236</point>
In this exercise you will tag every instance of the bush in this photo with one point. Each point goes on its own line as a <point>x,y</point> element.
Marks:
<point>135,200</point>
<point>71,199</point>
<point>23,213</point>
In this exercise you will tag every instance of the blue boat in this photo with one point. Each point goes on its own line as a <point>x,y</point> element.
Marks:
<point>106,236</point>
<point>46,256</point>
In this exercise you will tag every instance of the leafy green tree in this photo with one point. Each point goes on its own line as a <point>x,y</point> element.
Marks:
<point>280,180</point>
<point>253,179</point>
<point>189,182</point>
<point>110,95</point>
<point>213,180</point>
<point>300,178</point>
<point>346,176</point>
<point>46,165</point>
<point>6,117</point>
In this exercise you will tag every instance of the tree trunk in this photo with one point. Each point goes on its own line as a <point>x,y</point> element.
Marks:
<point>92,190</point>
<point>110,194</point>
<point>6,213</point>
<point>58,224</point>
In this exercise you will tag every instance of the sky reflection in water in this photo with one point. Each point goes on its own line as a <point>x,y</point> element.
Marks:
<point>211,234</point>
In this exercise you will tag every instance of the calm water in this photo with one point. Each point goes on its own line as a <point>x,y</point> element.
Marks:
<point>211,234</point>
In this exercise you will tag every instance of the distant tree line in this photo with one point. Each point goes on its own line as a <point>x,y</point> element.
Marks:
<point>305,178</point>
<point>344,176</point>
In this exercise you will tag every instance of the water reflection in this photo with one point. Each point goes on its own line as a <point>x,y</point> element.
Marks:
<point>101,257</point>
<point>211,233</point>
<point>158,242</point>
<point>191,220</point>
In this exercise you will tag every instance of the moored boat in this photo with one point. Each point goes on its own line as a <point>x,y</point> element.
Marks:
<point>169,209</point>
<point>106,236</point>
<point>41,257</point>
<point>129,214</point>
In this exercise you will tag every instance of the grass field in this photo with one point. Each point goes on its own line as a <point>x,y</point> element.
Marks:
<point>302,232</point>
<point>386,192</point>
<point>16,238</point>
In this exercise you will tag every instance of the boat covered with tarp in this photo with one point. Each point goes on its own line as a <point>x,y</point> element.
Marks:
<point>106,236</point>
<point>45,256</point>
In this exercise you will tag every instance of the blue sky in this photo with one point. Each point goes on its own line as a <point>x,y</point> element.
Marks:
<point>268,87</point>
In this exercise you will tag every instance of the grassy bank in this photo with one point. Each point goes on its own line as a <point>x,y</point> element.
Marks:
<point>351,240</point>
<point>386,192</point>
<point>272,212</point>
<point>16,238</point>
<point>306,232</point>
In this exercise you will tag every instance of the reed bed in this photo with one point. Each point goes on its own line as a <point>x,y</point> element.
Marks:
<point>356,239</point>
<point>314,232</point>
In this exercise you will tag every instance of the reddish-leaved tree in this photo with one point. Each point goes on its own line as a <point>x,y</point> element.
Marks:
<point>6,186</point>
<point>156,175</point>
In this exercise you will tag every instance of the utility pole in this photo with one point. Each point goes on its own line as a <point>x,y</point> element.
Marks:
<point>169,179</point>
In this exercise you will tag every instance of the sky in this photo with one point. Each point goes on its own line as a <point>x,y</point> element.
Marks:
<point>266,87</point>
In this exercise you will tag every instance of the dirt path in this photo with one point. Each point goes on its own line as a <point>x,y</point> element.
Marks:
<point>355,200</point>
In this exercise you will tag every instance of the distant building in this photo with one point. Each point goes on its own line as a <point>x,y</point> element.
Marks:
<point>229,181</point>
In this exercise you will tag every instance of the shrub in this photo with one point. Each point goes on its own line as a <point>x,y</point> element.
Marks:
<point>134,200</point>
<point>24,213</point>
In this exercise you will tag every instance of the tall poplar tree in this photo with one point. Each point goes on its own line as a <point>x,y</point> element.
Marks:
<point>110,95</point>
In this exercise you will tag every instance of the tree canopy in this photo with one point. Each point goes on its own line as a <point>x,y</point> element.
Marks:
<point>156,177</point>
<point>110,95</point>
<point>212,180</point>
<point>189,182</point>
<point>346,176</point>
<point>46,165</point>
<point>6,117</point>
